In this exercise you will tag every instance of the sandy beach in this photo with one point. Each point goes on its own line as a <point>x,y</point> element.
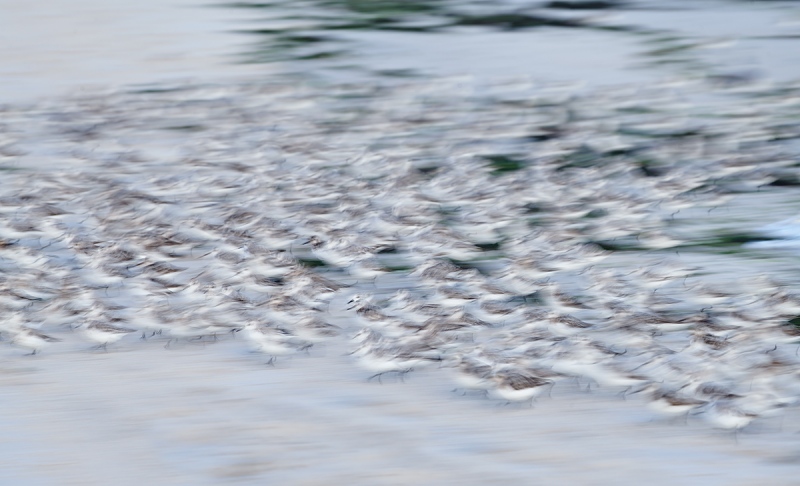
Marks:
<point>216,415</point>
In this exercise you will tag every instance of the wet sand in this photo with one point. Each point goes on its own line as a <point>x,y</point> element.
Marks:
<point>212,414</point>
<point>64,46</point>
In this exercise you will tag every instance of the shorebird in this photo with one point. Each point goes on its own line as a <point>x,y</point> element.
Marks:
<point>559,300</point>
<point>566,325</point>
<point>514,386</point>
<point>189,326</point>
<point>363,305</point>
<point>495,313</point>
<point>366,269</point>
<point>437,271</point>
<point>669,403</point>
<point>104,334</point>
<point>314,329</point>
<point>31,338</point>
<point>472,374</point>
<point>648,321</point>
<point>273,342</point>
<point>381,355</point>
<point>723,414</point>
<point>514,282</point>
<point>339,253</point>
<point>452,296</point>
<point>381,361</point>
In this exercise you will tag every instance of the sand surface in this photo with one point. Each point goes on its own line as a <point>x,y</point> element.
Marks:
<point>215,414</point>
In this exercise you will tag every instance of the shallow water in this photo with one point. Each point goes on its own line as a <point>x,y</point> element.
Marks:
<point>65,46</point>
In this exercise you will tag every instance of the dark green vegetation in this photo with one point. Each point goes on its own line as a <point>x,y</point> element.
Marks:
<point>334,33</point>
<point>309,30</point>
<point>503,163</point>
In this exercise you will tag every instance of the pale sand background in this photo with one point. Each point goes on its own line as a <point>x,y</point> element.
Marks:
<point>213,414</point>
<point>51,47</point>
<point>63,45</point>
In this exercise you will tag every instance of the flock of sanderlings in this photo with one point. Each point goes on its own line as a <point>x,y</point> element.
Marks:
<point>461,228</point>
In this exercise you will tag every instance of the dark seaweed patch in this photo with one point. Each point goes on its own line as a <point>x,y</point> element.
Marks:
<point>501,164</point>
<point>786,181</point>
<point>186,128</point>
<point>489,246</point>
<point>596,213</point>
<point>735,239</point>
<point>652,168</point>
<point>678,133</point>
<point>384,6</point>
<point>427,170</point>
<point>533,208</point>
<point>581,158</point>
<point>615,245</point>
<point>515,21</point>
<point>311,262</point>
<point>583,5</point>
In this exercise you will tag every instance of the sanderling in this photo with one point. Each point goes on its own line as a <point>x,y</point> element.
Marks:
<point>515,283</point>
<point>452,296</point>
<point>559,300</point>
<point>274,342</point>
<point>723,414</point>
<point>104,334</point>
<point>566,325</point>
<point>472,374</point>
<point>436,271</point>
<point>340,253</point>
<point>32,339</point>
<point>314,329</point>
<point>380,362</point>
<point>514,386</point>
<point>669,403</point>
<point>380,357</point>
<point>365,310</point>
<point>494,313</point>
